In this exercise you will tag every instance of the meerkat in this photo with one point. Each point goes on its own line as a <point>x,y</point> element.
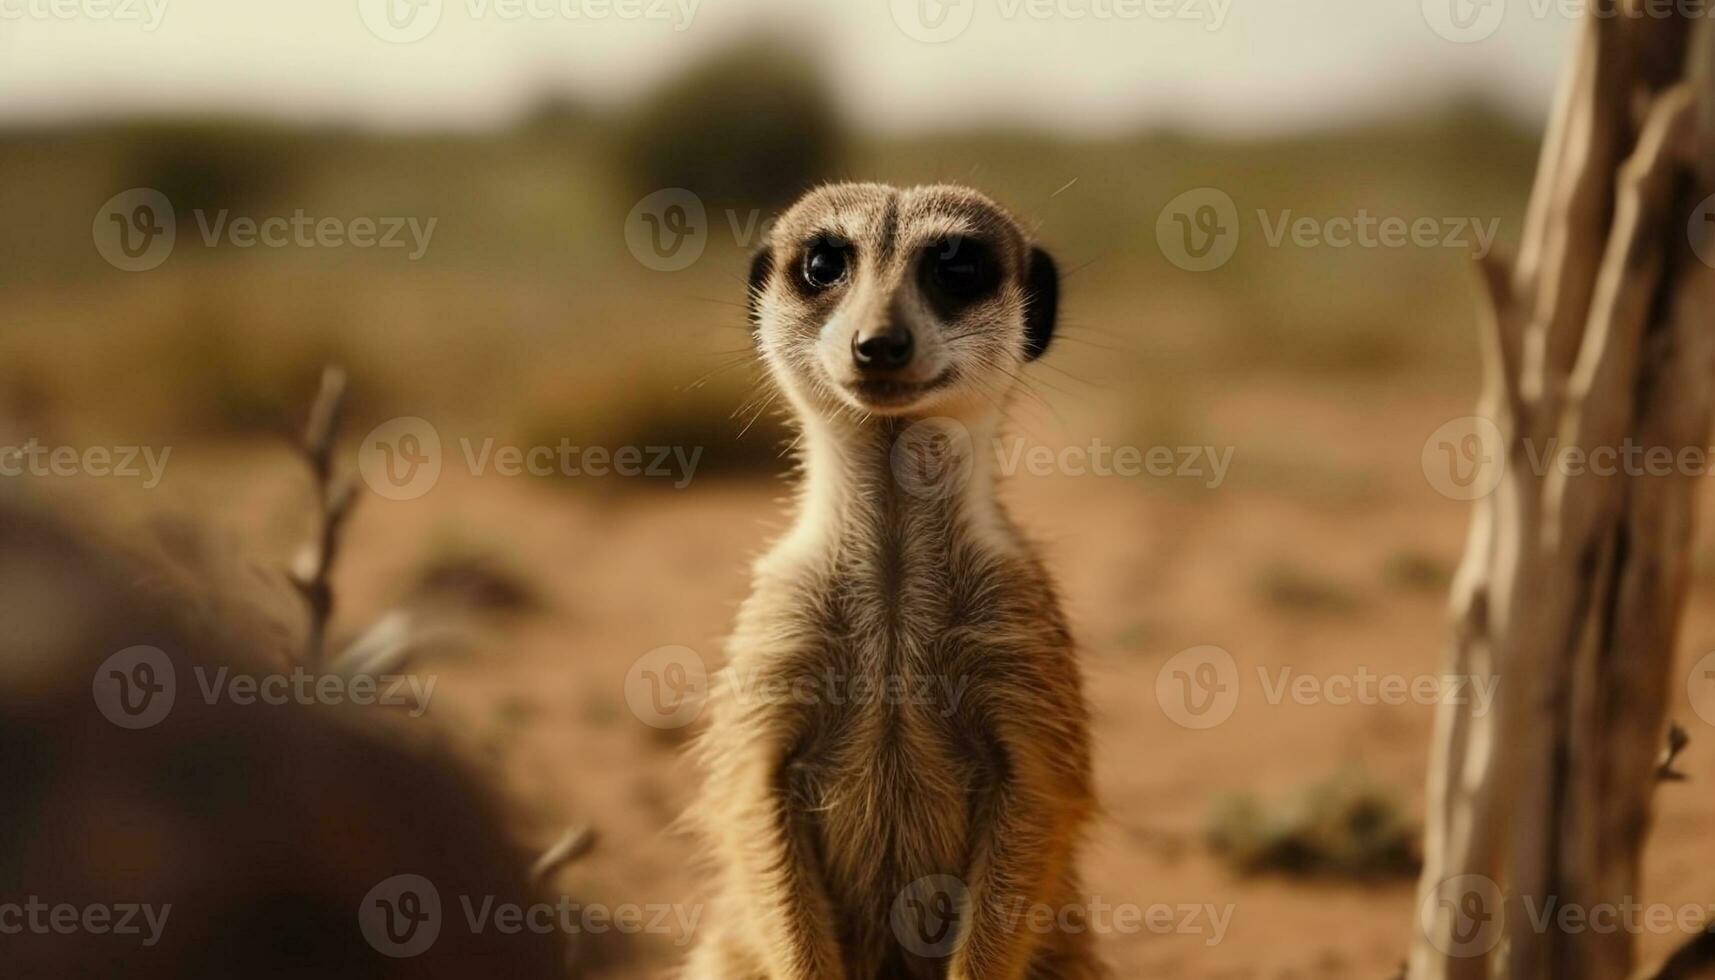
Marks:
<point>900,738</point>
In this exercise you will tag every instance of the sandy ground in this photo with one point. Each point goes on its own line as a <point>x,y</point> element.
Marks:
<point>1324,490</point>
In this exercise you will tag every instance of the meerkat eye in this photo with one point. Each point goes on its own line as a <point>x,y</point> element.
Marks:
<point>960,270</point>
<point>826,263</point>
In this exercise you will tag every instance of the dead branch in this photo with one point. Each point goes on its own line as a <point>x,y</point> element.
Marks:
<point>1574,579</point>
<point>335,495</point>
<point>1693,961</point>
<point>1677,740</point>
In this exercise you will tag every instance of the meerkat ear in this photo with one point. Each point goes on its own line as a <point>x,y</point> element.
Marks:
<point>761,267</point>
<point>1041,303</point>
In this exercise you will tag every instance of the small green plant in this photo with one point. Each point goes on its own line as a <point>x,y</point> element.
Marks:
<point>1287,586</point>
<point>472,578</point>
<point>1414,571</point>
<point>1345,826</point>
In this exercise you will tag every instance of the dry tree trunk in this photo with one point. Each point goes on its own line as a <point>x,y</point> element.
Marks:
<point>1601,337</point>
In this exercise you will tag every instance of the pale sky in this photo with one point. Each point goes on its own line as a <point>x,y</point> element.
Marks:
<point>1237,66</point>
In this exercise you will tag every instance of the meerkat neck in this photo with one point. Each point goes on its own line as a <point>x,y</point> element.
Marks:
<point>861,480</point>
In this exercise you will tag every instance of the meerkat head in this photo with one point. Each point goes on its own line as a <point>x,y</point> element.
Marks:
<point>900,302</point>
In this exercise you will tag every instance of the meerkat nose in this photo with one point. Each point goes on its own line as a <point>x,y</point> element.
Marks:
<point>886,349</point>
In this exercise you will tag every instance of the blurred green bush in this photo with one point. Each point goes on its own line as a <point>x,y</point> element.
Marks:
<point>754,125</point>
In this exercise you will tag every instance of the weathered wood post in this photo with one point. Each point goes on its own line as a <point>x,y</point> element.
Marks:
<point>1599,345</point>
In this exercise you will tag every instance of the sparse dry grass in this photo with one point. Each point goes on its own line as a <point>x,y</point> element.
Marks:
<point>529,316</point>
<point>1345,826</point>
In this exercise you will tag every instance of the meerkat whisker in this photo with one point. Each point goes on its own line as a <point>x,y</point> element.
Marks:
<point>758,414</point>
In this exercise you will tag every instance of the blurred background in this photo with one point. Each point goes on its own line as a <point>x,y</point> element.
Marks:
<point>526,222</point>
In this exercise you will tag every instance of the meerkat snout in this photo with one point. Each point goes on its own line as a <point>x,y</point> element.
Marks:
<point>888,347</point>
<point>900,302</point>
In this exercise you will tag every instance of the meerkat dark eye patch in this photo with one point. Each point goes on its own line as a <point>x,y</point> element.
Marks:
<point>1041,303</point>
<point>956,272</point>
<point>827,262</point>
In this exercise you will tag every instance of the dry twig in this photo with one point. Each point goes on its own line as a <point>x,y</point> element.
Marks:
<point>312,569</point>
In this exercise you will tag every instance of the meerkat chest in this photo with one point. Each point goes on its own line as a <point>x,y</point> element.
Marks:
<point>888,779</point>
<point>889,676</point>
<point>902,643</point>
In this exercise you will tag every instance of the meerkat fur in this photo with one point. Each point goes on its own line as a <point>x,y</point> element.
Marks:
<point>897,763</point>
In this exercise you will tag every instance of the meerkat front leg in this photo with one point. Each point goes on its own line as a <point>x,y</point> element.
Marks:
<point>1026,835</point>
<point>779,885</point>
